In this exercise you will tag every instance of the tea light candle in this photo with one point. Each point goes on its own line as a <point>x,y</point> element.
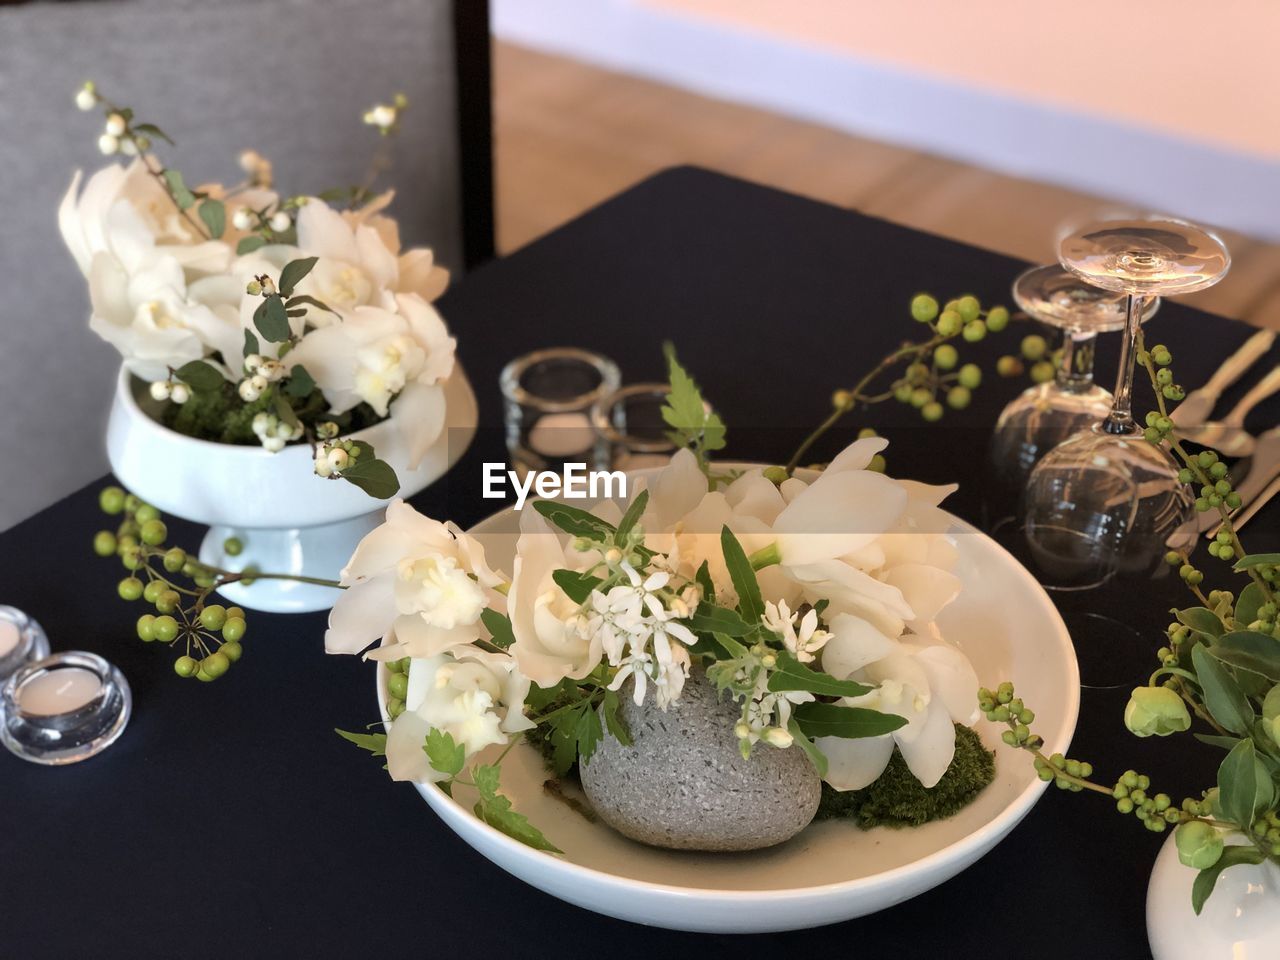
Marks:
<point>58,691</point>
<point>561,434</point>
<point>10,637</point>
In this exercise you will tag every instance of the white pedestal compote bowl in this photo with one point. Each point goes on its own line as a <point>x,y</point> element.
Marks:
<point>289,520</point>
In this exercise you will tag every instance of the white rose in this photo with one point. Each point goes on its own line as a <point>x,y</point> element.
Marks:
<point>475,696</point>
<point>551,640</point>
<point>417,583</point>
<point>395,362</point>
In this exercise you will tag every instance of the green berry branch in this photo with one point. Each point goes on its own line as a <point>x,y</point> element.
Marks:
<point>1221,664</point>
<point>207,636</point>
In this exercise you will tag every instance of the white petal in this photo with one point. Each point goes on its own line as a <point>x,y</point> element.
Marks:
<point>419,639</point>
<point>362,615</point>
<point>857,456</point>
<point>854,643</point>
<point>419,414</point>
<point>929,752</point>
<point>838,514</point>
<point>952,681</point>
<point>926,589</point>
<point>854,764</point>
<point>406,760</point>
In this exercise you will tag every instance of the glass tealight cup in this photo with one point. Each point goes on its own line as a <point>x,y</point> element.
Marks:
<point>21,640</point>
<point>630,422</point>
<point>64,708</point>
<point>547,401</point>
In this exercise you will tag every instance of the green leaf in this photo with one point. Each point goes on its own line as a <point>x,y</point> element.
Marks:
<point>750,603</point>
<point>250,343</point>
<point>495,809</point>
<point>499,627</point>
<point>249,244</point>
<point>816,756</point>
<point>588,732</point>
<point>709,618</point>
<point>151,130</point>
<point>1249,650</point>
<point>575,522</point>
<point>576,586</point>
<point>818,719</point>
<point>614,723</point>
<point>375,743</point>
<point>630,518</point>
<point>293,273</point>
<point>1247,604</point>
<point>272,320</point>
<point>1214,740</point>
<point>1222,695</point>
<point>182,196</point>
<point>200,377</point>
<point>1207,878</point>
<point>1244,786</point>
<point>1202,620</point>
<point>214,215</point>
<point>703,576</point>
<point>375,477</point>
<point>731,646</point>
<point>300,382</point>
<point>686,412</point>
<point>284,411</point>
<point>445,756</point>
<point>1251,560</point>
<point>564,742</point>
<point>303,298</point>
<point>791,674</point>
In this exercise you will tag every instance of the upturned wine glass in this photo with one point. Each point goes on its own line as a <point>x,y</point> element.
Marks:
<point>1106,500</point>
<point>1044,415</point>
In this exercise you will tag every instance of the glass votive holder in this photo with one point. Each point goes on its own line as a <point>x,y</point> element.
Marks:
<point>629,421</point>
<point>64,708</point>
<point>547,400</point>
<point>21,640</point>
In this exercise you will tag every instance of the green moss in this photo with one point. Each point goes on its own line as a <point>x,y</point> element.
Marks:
<point>221,416</point>
<point>898,800</point>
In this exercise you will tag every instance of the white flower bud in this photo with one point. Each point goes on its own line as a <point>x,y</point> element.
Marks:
<point>259,382</point>
<point>338,458</point>
<point>613,556</point>
<point>272,444</point>
<point>160,390</point>
<point>249,392</point>
<point>116,125</point>
<point>108,144</point>
<point>322,467</point>
<point>281,221</point>
<point>742,729</point>
<point>180,393</point>
<point>777,737</point>
<point>242,219</point>
<point>86,99</point>
<point>252,362</point>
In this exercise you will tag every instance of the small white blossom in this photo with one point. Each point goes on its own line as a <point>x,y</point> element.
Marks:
<point>108,144</point>
<point>160,390</point>
<point>802,644</point>
<point>116,125</point>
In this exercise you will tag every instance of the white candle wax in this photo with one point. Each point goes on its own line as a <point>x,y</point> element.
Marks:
<point>60,690</point>
<point>10,637</point>
<point>562,434</point>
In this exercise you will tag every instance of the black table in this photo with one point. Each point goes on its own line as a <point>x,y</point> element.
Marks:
<point>230,820</point>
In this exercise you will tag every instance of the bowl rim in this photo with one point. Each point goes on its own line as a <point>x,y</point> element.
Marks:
<point>979,841</point>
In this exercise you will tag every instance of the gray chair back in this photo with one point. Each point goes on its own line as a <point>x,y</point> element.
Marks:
<point>289,78</point>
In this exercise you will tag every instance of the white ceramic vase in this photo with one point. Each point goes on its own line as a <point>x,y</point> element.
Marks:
<point>289,520</point>
<point>1240,920</point>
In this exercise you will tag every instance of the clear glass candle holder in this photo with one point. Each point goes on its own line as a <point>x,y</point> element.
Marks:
<point>630,422</point>
<point>547,398</point>
<point>64,708</point>
<point>21,640</point>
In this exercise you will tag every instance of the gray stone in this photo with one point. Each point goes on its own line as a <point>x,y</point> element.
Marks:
<point>683,784</point>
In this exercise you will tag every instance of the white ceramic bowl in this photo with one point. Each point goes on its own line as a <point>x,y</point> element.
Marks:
<point>290,520</point>
<point>832,871</point>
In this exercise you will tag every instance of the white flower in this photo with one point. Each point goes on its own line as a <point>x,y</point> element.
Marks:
<point>922,678</point>
<point>419,583</point>
<point>802,644</point>
<point>617,617</point>
<point>395,362</point>
<point>551,639</point>
<point>474,696</point>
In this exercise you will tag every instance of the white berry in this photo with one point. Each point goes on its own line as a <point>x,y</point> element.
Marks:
<point>160,390</point>
<point>242,219</point>
<point>249,392</point>
<point>252,362</point>
<point>108,144</point>
<point>180,393</point>
<point>281,221</point>
<point>86,99</point>
<point>116,125</point>
<point>338,458</point>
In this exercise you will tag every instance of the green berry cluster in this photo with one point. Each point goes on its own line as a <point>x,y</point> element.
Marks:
<point>397,686</point>
<point>1155,811</point>
<point>1034,350</point>
<point>1266,832</point>
<point>935,375</point>
<point>208,634</point>
<point>1157,360</point>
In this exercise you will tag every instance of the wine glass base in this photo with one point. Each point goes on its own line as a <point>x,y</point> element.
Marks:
<point>1039,419</point>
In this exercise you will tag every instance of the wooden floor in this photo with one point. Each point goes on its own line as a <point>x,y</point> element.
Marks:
<point>568,135</point>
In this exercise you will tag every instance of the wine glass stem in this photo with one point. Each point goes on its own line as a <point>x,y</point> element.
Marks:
<point>1075,372</point>
<point>1120,419</point>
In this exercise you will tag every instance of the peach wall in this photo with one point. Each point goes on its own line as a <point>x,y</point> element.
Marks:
<point>1201,71</point>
